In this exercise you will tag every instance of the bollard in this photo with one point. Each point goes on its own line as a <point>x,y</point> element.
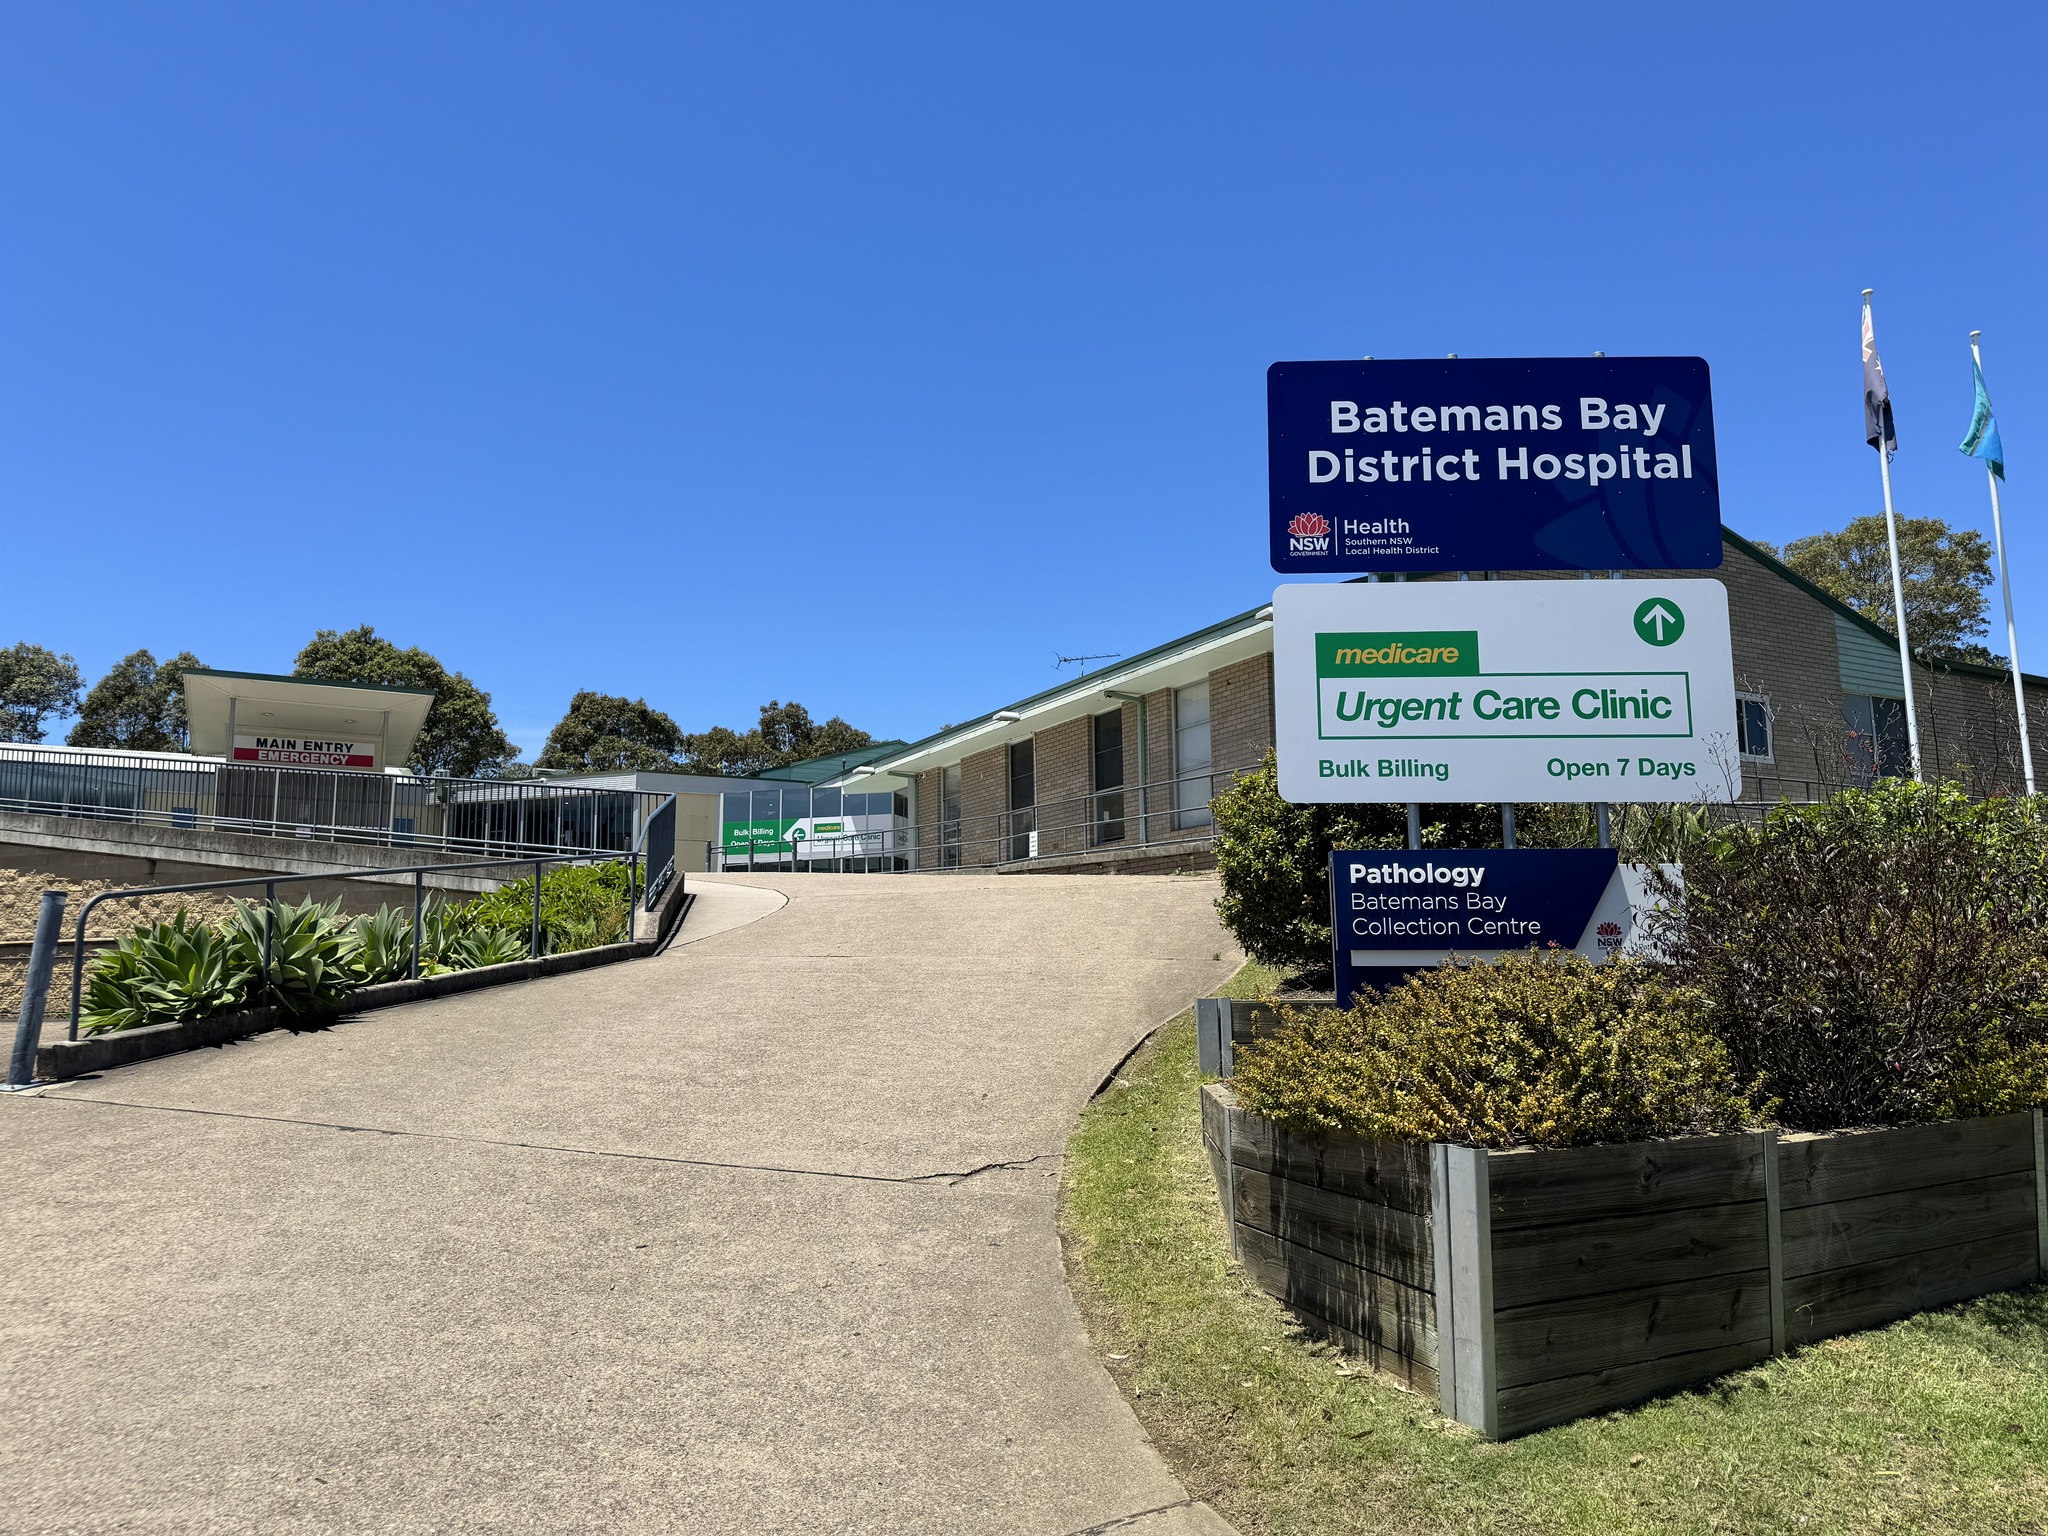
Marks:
<point>42,959</point>
<point>418,902</point>
<point>534,948</point>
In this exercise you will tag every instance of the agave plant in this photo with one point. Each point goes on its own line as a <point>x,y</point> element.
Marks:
<point>165,972</point>
<point>311,947</point>
<point>486,946</point>
<point>442,929</point>
<point>113,991</point>
<point>380,946</point>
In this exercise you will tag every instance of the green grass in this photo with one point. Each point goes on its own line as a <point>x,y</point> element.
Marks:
<point>1936,1424</point>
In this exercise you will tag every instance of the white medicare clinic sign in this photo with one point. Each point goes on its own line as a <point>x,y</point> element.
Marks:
<point>1505,690</point>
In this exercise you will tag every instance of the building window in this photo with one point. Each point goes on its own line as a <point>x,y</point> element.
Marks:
<point>1876,737</point>
<point>1023,799</point>
<point>1753,726</point>
<point>1107,805</point>
<point>949,817</point>
<point>1191,789</point>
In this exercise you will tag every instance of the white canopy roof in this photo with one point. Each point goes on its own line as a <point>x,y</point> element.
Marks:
<point>292,706</point>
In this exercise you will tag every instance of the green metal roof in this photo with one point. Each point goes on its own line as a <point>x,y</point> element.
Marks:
<point>816,770</point>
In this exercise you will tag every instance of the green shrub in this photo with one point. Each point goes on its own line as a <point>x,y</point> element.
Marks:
<point>184,969</point>
<point>381,946</point>
<point>1274,859</point>
<point>1879,958</point>
<point>581,907</point>
<point>1274,856</point>
<point>312,947</point>
<point>161,974</point>
<point>1537,1049</point>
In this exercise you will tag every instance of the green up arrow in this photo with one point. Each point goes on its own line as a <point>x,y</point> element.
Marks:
<point>1659,621</point>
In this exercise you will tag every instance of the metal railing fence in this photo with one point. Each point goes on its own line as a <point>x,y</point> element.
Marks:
<point>536,941</point>
<point>451,815</point>
<point>1164,815</point>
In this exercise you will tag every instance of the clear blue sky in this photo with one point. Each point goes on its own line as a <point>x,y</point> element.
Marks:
<point>872,355</point>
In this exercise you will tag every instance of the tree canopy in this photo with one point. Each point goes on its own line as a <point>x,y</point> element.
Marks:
<point>35,683</point>
<point>785,734</point>
<point>604,731</point>
<point>462,736</point>
<point>1944,571</point>
<point>138,704</point>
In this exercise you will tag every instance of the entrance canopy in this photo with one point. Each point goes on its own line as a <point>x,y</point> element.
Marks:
<point>288,722</point>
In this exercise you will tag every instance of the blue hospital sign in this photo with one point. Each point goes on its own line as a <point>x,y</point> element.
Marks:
<point>1392,913</point>
<point>1467,464</point>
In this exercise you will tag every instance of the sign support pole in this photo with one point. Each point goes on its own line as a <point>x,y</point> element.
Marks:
<point>2012,638</point>
<point>1414,825</point>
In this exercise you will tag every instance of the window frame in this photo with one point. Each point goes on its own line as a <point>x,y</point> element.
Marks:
<point>1194,818</point>
<point>1742,744</point>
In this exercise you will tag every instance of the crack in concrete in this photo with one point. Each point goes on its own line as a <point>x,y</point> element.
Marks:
<point>1125,1522</point>
<point>948,1177</point>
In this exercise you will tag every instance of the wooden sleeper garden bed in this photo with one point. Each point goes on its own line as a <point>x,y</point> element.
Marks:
<point>1529,1287</point>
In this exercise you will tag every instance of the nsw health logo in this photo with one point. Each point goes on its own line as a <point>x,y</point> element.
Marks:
<point>1308,534</point>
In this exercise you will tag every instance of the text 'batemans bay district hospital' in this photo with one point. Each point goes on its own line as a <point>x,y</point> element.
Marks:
<point>1390,464</point>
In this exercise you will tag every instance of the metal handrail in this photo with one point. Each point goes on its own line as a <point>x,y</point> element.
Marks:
<point>1146,806</point>
<point>657,881</point>
<point>329,805</point>
<point>270,883</point>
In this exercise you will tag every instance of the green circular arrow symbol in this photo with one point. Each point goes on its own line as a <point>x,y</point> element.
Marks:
<point>1660,621</point>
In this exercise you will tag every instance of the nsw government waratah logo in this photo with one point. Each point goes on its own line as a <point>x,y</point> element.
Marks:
<point>1308,534</point>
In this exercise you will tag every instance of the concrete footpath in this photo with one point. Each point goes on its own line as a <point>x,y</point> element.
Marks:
<point>756,1236</point>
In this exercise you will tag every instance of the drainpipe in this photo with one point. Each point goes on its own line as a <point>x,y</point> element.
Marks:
<point>1144,771</point>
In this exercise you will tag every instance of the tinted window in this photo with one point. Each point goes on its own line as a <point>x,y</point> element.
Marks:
<point>824,802</point>
<point>1023,781</point>
<point>1109,750</point>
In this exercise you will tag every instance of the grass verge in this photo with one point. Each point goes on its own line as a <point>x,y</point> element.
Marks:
<point>1936,1424</point>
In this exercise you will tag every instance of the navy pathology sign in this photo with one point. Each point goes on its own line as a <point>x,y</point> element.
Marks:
<point>1508,464</point>
<point>1395,912</point>
<point>1505,691</point>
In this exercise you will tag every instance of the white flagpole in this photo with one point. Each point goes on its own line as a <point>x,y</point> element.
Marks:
<point>1891,533</point>
<point>2012,635</point>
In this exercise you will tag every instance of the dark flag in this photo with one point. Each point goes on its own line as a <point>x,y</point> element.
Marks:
<point>1877,399</point>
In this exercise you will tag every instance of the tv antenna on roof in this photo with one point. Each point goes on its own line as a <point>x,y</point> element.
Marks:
<point>1082,661</point>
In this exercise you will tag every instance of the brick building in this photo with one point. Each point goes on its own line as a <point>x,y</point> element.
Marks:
<point>1114,771</point>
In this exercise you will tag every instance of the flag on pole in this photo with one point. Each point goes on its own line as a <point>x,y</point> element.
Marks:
<point>1877,399</point>
<point>1981,441</point>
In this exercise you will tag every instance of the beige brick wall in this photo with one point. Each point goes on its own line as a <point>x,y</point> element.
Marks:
<point>1158,800</point>
<point>1063,764</point>
<point>1784,645</point>
<point>984,796</point>
<point>1241,714</point>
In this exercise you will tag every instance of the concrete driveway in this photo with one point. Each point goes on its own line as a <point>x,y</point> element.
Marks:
<point>757,1236</point>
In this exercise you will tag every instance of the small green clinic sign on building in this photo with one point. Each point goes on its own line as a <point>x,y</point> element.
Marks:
<point>1515,691</point>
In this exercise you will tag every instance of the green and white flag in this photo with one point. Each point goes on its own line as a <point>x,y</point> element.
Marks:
<point>1981,441</point>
